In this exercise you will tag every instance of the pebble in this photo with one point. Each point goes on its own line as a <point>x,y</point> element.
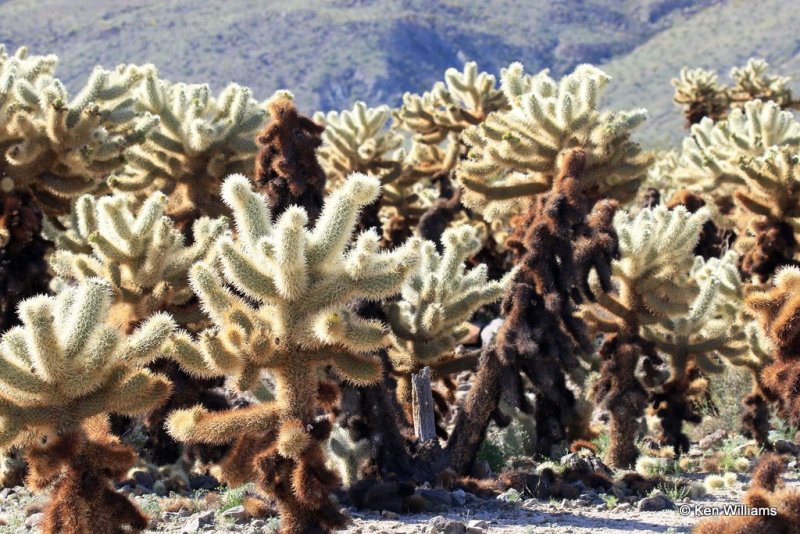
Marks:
<point>459,497</point>
<point>388,514</point>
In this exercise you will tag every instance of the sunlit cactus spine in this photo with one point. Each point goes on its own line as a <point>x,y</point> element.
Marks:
<point>298,282</point>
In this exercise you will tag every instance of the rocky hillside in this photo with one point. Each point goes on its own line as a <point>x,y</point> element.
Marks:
<point>333,52</point>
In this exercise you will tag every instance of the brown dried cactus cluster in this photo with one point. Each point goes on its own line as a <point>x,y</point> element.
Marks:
<point>257,289</point>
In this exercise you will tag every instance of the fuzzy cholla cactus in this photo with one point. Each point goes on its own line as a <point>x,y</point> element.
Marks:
<point>462,100</point>
<point>53,149</point>
<point>516,154</point>
<point>770,202</point>
<point>651,275</point>
<point>700,94</point>
<point>60,147</point>
<point>138,251</point>
<point>777,309</point>
<point>348,454</point>
<point>655,257</point>
<point>60,372</point>
<point>200,140</point>
<point>437,300</point>
<point>753,82</point>
<point>358,141</point>
<point>696,343</point>
<point>711,158</point>
<point>301,282</point>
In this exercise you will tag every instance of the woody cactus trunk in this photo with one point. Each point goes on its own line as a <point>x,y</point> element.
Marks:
<point>561,238</point>
<point>295,322</point>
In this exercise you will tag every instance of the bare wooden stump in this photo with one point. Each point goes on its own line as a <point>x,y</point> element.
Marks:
<point>422,406</point>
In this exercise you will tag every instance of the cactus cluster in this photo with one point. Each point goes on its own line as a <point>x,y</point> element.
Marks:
<point>513,242</point>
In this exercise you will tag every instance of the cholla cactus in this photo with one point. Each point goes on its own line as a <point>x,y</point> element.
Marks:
<point>53,149</point>
<point>753,82</point>
<point>462,100</point>
<point>756,416</point>
<point>200,140</point>
<point>301,282</point>
<point>138,251</point>
<point>437,300</point>
<point>358,141</point>
<point>61,371</point>
<point>58,147</point>
<point>516,154</point>
<point>348,454</point>
<point>700,94</point>
<point>776,309</point>
<point>711,158</point>
<point>287,169</point>
<point>61,148</point>
<point>769,199</point>
<point>694,343</point>
<point>655,257</point>
<point>768,492</point>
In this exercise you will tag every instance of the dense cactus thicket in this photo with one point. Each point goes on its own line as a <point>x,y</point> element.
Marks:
<point>229,273</point>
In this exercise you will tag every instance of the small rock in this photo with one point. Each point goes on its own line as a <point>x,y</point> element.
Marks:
<point>258,524</point>
<point>444,525</point>
<point>784,446</point>
<point>388,514</point>
<point>436,497</point>
<point>478,523</point>
<point>34,520</point>
<point>656,503</point>
<point>198,521</point>
<point>601,507</point>
<point>713,440</point>
<point>510,495</point>
<point>459,497</point>
<point>237,513</point>
<point>623,506</point>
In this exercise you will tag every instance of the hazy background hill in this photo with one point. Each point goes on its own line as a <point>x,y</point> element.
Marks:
<point>331,53</point>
